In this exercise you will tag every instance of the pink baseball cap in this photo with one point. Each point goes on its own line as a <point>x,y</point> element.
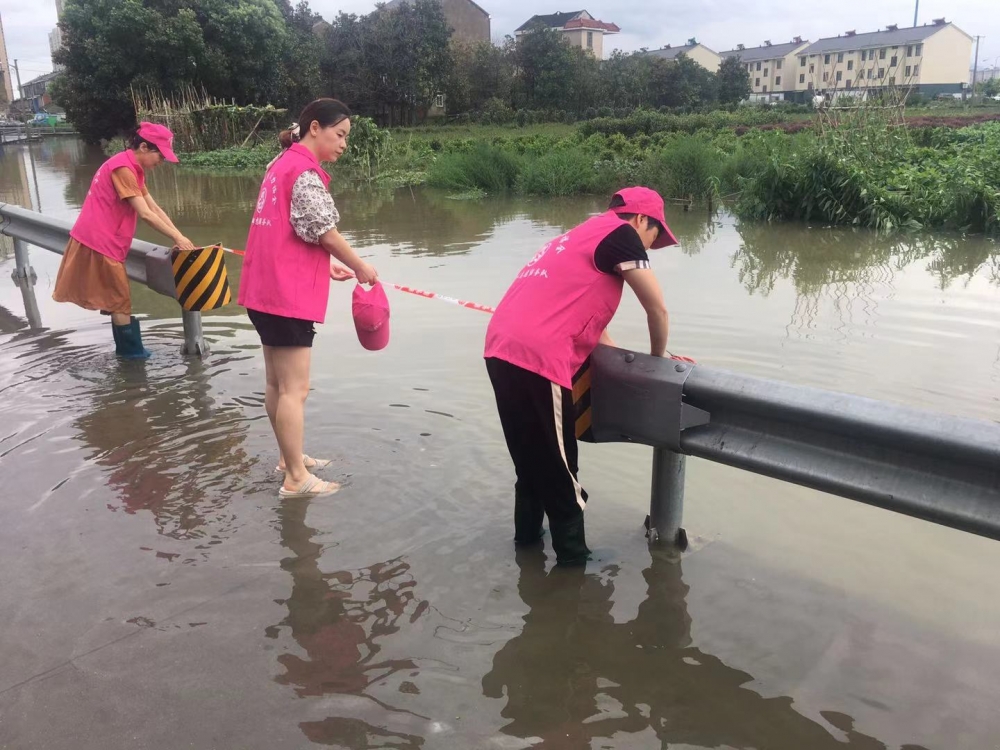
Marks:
<point>161,137</point>
<point>371,316</point>
<point>642,200</point>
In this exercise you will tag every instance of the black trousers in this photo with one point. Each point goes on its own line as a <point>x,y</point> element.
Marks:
<point>539,424</point>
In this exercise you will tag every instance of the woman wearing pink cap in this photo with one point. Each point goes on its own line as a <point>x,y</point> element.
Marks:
<point>285,282</point>
<point>551,319</point>
<point>92,273</point>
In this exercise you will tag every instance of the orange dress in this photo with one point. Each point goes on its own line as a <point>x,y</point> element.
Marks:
<point>92,280</point>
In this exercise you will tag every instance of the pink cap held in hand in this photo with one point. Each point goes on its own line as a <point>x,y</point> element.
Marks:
<point>161,137</point>
<point>370,308</point>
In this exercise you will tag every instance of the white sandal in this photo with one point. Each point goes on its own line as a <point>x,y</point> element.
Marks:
<point>310,488</point>
<point>318,464</point>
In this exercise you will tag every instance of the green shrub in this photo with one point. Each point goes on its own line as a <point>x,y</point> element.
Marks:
<point>484,167</point>
<point>564,172</point>
<point>689,167</point>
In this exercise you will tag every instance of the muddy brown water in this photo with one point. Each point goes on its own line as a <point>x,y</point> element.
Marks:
<point>156,594</point>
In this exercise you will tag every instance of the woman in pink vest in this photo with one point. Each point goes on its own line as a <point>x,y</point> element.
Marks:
<point>92,272</point>
<point>285,282</point>
<point>551,319</point>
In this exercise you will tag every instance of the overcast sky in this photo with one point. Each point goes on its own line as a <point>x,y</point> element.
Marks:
<point>719,24</point>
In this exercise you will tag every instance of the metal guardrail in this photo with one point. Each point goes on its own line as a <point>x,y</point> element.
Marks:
<point>147,264</point>
<point>930,466</point>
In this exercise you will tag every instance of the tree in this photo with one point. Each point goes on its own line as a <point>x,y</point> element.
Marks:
<point>492,73</point>
<point>734,81</point>
<point>991,87</point>
<point>391,63</point>
<point>545,66</point>
<point>245,50</point>
<point>682,83</point>
<point>626,79</point>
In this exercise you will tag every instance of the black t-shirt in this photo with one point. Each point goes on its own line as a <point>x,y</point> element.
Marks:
<point>621,251</point>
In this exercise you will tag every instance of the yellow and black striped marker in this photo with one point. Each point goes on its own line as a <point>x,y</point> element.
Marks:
<point>581,402</point>
<point>200,276</point>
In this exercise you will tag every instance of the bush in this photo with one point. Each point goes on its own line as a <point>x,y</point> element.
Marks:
<point>497,112</point>
<point>564,172</point>
<point>484,167</point>
<point>689,167</point>
<point>955,183</point>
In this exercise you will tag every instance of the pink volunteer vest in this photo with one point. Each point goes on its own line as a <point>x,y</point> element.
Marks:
<point>282,274</point>
<point>554,313</point>
<point>106,222</point>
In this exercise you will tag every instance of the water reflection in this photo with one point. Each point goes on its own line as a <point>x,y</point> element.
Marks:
<point>816,259</point>
<point>167,446</point>
<point>574,677</point>
<point>339,620</point>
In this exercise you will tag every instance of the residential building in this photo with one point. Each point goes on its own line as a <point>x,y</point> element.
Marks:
<point>6,87</point>
<point>55,44</point>
<point>36,92</point>
<point>701,54</point>
<point>931,59</point>
<point>55,36</point>
<point>468,21</point>
<point>578,28</point>
<point>772,68</point>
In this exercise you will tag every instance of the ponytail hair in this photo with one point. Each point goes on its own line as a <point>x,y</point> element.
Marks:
<point>326,112</point>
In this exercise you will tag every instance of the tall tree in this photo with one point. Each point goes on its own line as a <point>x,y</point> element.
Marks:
<point>683,83</point>
<point>734,81</point>
<point>547,70</point>
<point>392,62</point>
<point>627,78</point>
<point>245,50</point>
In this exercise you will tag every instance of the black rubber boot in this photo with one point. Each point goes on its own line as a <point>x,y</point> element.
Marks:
<point>528,516</point>
<point>128,341</point>
<point>569,541</point>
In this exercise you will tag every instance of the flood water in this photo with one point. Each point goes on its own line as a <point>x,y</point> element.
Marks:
<point>156,593</point>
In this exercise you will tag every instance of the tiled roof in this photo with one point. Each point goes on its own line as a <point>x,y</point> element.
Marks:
<point>671,53</point>
<point>551,21</point>
<point>753,54</point>
<point>586,23</point>
<point>895,38</point>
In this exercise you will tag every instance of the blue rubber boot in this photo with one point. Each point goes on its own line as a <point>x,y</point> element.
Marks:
<point>128,341</point>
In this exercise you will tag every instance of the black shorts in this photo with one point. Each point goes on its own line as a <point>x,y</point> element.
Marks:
<point>277,330</point>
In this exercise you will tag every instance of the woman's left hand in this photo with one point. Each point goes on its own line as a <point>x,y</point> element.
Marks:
<point>340,273</point>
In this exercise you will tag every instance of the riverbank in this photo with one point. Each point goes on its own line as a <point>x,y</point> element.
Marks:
<point>931,170</point>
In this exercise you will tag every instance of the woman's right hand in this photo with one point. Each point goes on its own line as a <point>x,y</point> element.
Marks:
<point>366,274</point>
<point>183,243</point>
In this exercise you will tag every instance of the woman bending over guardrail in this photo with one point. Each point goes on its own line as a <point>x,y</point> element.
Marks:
<point>285,282</point>
<point>551,319</point>
<point>92,273</point>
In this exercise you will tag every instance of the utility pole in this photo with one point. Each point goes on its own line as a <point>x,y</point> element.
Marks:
<point>916,10</point>
<point>975,70</point>
<point>20,92</point>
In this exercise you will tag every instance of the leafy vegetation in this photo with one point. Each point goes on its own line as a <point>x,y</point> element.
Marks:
<point>859,170</point>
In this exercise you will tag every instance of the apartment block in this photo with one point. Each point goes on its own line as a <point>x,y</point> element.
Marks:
<point>931,59</point>
<point>771,67</point>
<point>706,58</point>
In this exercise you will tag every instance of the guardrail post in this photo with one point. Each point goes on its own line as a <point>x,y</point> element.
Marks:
<point>22,264</point>
<point>24,278</point>
<point>194,338</point>
<point>666,505</point>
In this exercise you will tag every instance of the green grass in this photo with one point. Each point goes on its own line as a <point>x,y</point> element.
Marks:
<point>447,133</point>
